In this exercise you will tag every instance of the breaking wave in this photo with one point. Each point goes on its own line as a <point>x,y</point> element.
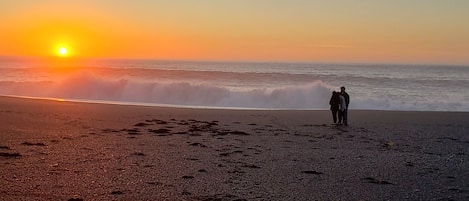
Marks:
<point>86,86</point>
<point>195,89</point>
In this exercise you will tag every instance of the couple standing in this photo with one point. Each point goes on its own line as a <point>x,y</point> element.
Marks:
<point>339,106</point>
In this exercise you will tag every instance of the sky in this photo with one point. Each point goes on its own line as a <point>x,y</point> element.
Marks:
<point>377,31</point>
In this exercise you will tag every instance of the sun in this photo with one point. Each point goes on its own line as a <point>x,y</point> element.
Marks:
<point>63,51</point>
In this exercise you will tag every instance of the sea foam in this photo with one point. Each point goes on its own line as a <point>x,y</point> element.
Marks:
<point>88,86</point>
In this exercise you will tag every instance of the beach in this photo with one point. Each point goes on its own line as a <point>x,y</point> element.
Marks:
<point>60,150</point>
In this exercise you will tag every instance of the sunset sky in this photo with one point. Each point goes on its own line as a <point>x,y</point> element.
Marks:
<point>384,31</point>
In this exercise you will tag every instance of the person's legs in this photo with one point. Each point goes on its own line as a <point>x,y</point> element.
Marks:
<point>334,115</point>
<point>345,117</point>
<point>340,117</point>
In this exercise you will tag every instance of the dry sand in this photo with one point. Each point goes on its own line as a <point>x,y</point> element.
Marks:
<point>51,150</point>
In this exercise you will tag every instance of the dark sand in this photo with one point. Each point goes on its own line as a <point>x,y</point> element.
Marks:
<point>51,150</point>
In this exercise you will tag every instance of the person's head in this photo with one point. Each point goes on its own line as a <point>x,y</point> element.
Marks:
<point>333,92</point>
<point>342,89</point>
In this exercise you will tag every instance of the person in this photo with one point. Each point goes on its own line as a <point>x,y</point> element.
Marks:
<point>334,102</point>
<point>347,101</point>
<point>342,110</point>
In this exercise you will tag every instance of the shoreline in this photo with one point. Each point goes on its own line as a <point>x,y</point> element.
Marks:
<point>138,104</point>
<point>60,150</point>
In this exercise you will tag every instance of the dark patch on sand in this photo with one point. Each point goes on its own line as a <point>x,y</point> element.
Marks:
<point>75,199</point>
<point>33,144</point>
<point>312,172</point>
<point>10,155</point>
<point>187,177</point>
<point>158,131</point>
<point>117,192</point>
<point>220,197</point>
<point>251,166</point>
<point>377,181</point>
<point>141,124</point>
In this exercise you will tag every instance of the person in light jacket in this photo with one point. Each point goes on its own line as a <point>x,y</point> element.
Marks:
<point>344,108</point>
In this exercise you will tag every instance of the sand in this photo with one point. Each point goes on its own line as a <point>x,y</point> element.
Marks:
<point>52,150</point>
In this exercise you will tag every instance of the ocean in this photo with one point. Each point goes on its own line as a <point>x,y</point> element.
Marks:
<point>238,85</point>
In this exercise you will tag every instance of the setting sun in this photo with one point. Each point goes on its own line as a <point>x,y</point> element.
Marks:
<point>62,51</point>
<point>306,32</point>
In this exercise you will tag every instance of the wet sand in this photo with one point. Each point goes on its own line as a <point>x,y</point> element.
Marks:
<point>52,150</point>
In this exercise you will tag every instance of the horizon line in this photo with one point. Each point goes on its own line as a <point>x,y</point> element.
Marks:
<point>236,61</point>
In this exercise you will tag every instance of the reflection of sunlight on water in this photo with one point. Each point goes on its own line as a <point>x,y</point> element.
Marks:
<point>37,98</point>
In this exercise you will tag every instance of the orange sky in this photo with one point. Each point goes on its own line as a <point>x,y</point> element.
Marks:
<point>401,31</point>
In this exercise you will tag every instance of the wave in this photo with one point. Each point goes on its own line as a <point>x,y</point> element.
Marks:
<point>314,95</point>
<point>94,87</point>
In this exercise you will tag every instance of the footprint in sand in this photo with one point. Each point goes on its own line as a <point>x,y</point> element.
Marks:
<point>117,192</point>
<point>251,166</point>
<point>10,155</point>
<point>141,124</point>
<point>159,131</point>
<point>312,172</point>
<point>139,154</point>
<point>75,199</point>
<point>376,181</point>
<point>33,144</point>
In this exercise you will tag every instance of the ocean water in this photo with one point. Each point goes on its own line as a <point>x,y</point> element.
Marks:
<point>239,84</point>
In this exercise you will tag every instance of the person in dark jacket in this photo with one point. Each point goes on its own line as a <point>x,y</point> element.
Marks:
<point>347,101</point>
<point>334,102</point>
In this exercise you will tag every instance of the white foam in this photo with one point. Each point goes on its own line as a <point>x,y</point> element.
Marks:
<point>92,87</point>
